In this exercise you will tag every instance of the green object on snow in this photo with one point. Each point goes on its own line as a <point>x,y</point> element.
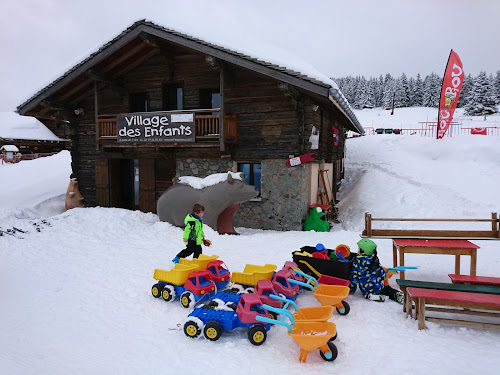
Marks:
<point>316,221</point>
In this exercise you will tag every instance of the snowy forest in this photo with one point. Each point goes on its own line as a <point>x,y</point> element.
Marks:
<point>479,95</point>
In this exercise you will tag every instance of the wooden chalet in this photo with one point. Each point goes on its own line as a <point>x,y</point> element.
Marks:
<point>154,104</point>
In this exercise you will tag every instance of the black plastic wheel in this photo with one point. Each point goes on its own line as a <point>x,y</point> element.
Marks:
<point>232,305</point>
<point>186,300</point>
<point>192,329</point>
<point>347,308</point>
<point>156,290</point>
<point>168,293</point>
<point>273,315</point>
<point>257,334</point>
<point>334,350</point>
<point>212,331</point>
<point>212,305</point>
<point>333,338</point>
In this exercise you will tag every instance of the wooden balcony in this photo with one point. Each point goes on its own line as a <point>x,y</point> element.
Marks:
<point>207,124</point>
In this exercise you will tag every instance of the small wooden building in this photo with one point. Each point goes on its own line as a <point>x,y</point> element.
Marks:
<point>154,104</point>
<point>9,153</point>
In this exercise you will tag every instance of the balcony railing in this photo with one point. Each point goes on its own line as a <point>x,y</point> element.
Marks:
<point>207,123</point>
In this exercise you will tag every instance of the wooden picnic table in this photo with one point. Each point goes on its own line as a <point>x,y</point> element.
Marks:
<point>423,246</point>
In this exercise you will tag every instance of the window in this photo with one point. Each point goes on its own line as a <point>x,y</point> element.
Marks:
<point>138,102</point>
<point>173,96</point>
<point>209,98</point>
<point>252,173</point>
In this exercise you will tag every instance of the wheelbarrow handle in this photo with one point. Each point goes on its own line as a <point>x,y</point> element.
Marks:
<point>286,301</point>
<point>274,321</point>
<point>309,286</point>
<point>308,277</point>
<point>402,268</point>
<point>282,312</point>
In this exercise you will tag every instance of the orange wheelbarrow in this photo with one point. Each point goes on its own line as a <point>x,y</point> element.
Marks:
<point>309,335</point>
<point>328,295</point>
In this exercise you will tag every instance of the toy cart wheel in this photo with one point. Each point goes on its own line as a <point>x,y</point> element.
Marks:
<point>345,310</point>
<point>186,300</point>
<point>273,315</point>
<point>156,290</point>
<point>232,305</point>
<point>333,338</point>
<point>257,334</point>
<point>212,331</point>
<point>334,353</point>
<point>212,305</point>
<point>250,289</point>
<point>192,329</point>
<point>168,293</point>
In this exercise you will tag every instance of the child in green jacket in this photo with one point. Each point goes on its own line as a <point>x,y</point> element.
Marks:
<point>193,235</point>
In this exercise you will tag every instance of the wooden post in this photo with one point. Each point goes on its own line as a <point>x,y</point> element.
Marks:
<point>421,313</point>
<point>494,224</point>
<point>369,224</point>
<point>221,111</point>
<point>96,112</point>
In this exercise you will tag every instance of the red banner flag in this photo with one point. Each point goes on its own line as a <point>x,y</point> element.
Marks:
<point>450,90</point>
<point>481,131</point>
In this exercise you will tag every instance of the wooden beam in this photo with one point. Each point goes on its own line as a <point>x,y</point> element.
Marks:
<point>221,112</point>
<point>108,80</point>
<point>149,39</point>
<point>81,69</point>
<point>137,62</point>
<point>131,52</point>
<point>319,88</point>
<point>54,105</point>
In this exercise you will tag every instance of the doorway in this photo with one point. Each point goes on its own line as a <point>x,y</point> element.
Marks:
<point>124,183</point>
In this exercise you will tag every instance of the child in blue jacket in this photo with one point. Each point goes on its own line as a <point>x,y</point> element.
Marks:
<point>370,275</point>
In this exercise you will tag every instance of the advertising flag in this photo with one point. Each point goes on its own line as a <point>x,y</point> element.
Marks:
<point>481,131</point>
<point>450,90</point>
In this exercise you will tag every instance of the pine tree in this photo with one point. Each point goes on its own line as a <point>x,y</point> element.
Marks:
<point>482,99</point>
<point>402,92</point>
<point>379,92</point>
<point>465,91</point>
<point>418,92</point>
<point>496,85</point>
<point>432,91</point>
<point>389,87</point>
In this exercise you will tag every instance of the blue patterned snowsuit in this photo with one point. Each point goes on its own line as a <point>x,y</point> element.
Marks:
<point>369,281</point>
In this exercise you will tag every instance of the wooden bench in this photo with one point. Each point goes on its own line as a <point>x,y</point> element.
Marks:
<point>462,303</point>
<point>483,280</point>
<point>408,306</point>
<point>491,233</point>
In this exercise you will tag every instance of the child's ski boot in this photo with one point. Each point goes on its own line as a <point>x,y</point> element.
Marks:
<point>375,297</point>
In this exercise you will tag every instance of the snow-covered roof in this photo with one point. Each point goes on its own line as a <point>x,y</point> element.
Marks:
<point>213,179</point>
<point>280,64</point>
<point>14,126</point>
<point>9,148</point>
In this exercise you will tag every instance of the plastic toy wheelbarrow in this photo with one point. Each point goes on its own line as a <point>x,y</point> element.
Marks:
<point>329,295</point>
<point>304,314</point>
<point>309,335</point>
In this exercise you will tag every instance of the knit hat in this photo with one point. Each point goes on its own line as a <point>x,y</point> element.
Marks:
<point>367,246</point>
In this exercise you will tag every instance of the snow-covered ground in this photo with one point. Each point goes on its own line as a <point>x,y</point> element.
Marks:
<point>75,297</point>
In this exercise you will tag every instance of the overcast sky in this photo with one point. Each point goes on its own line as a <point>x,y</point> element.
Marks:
<point>42,39</point>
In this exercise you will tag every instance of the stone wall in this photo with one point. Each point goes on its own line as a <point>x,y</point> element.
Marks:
<point>201,167</point>
<point>284,197</point>
<point>283,205</point>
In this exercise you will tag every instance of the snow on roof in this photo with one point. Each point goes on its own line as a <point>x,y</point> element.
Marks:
<point>200,183</point>
<point>14,126</point>
<point>9,148</point>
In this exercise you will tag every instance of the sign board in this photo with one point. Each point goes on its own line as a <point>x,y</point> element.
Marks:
<point>153,127</point>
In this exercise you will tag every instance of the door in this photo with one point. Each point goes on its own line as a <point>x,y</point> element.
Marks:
<point>102,182</point>
<point>147,199</point>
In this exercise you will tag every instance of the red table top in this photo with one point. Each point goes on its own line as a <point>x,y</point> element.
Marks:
<point>488,280</point>
<point>448,295</point>
<point>445,244</point>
